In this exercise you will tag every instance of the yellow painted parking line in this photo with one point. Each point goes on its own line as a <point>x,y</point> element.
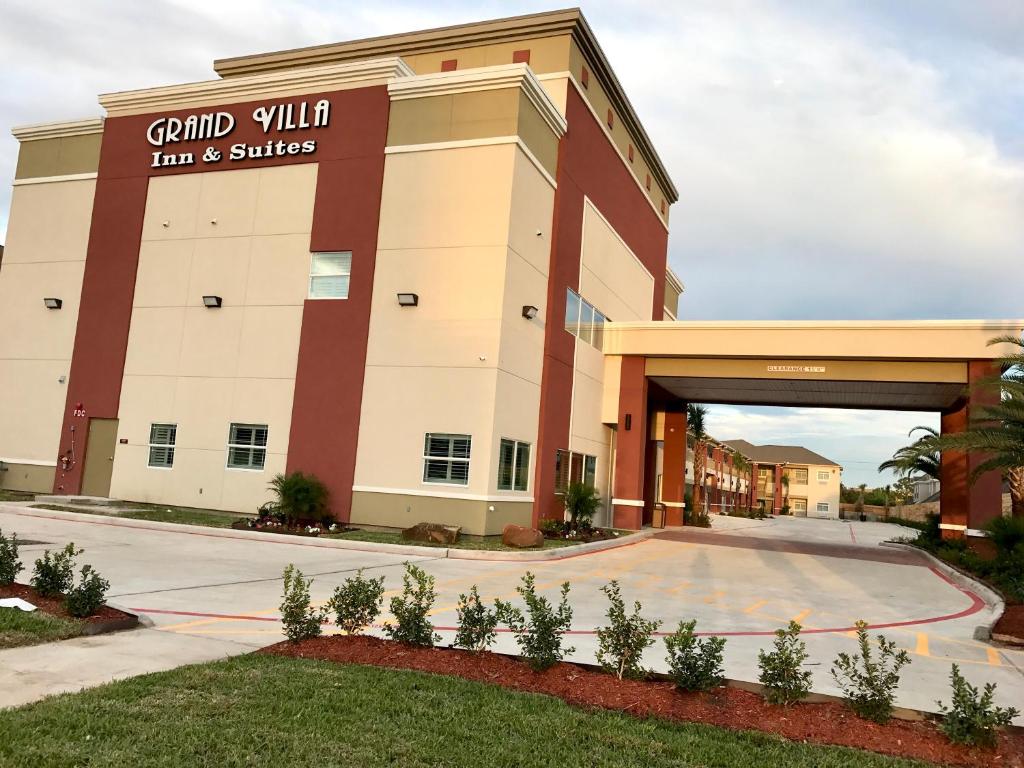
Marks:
<point>755,606</point>
<point>801,617</point>
<point>713,597</point>
<point>922,645</point>
<point>993,657</point>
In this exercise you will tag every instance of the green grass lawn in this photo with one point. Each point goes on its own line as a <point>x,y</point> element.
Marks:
<point>6,495</point>
<point>272,711</point>
<point>184,515</point>
<point>19,628</point>
<point>465,542</point>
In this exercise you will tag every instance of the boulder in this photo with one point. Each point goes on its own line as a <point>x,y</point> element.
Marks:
<point>432,533</point>
<point>521,538</point>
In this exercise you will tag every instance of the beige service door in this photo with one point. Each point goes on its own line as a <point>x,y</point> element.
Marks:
<point>99,457</point>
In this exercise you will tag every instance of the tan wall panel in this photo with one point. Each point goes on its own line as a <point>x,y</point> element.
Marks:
<point>547,54</point>
<point>269,342</point>
<point>162,278</point>
<point>557,90</point>
<point>172,205</point>
<point>278,270</point>
<point>445,198</point>
<point>49,222</point>
<point>31,408</point>
<point>284,203</point>
<point>59,156</point>
<point>27,477</point>
<point>402,511</point>
<point>227,203</point>
<point>537,135</point>
<point>612,279</point>
<point>210,342</point>
<point>530,212</point>
<point>28,330</point>
<point>610,392</point>
<point>835,370</point>
<point>515,418</point>
<point>220,267</point>
<point>522,341</point>
<point>454,117</point>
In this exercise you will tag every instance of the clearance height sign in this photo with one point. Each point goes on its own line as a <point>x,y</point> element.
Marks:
<point>293,122</point>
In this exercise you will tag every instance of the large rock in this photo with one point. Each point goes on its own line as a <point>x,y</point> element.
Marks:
<point>432,533</point>
<point>521,538</point>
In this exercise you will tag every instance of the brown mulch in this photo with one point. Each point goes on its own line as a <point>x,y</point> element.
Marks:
<point>55,605</point>
<point>820,723</point>
<point>1010,626</point>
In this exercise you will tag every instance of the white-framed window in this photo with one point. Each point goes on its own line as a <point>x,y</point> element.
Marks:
<point>513,465</point>
<point>162,438</point>
<point>247,446</point>
<point>823,506</point>
<point>329,275</point>
<point>583,320</point>
<point>798,476</point>
<point>572,467</point>
<point>824,475</point>
<point>446,458</point>
<point>799,505</point>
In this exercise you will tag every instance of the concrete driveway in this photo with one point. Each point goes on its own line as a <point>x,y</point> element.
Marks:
<point>209,597</point>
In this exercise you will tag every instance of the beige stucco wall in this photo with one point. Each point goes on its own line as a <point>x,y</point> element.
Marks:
<point>205,368</point>
<point>47,237</point>
<point>464,361</point>
<point>816,491</point>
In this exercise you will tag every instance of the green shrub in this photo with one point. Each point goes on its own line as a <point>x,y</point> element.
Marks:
<point>581,502</point>
<point>540,635</point>
<point>410,609</point>
<point>299,497</point>
<point>10,565</point>
<point>356,603</point>
<point>971,718</point>
<point>551,527</point>
<point>620,645</point>
<point>781,675</point>
<point>301,621</point>
<point>695,665</point>
<point>1007,533</point>
<point>869,684</point>
<point>54,575</point>
<point>477,622</point>
<point>88,597</point>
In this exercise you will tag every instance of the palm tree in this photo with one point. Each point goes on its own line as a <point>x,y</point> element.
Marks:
<point>912,459</point>
<point>996,430</point>
<point>695,416</point>
<point>785,491</point>
<point>741,467</point>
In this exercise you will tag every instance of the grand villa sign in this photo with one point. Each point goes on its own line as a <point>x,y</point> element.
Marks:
<point>279,118</point>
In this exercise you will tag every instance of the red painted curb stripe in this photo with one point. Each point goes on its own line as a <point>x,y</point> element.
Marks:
<point>976,605</point>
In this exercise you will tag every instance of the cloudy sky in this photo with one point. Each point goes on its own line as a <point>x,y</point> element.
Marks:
<point>860,159</point>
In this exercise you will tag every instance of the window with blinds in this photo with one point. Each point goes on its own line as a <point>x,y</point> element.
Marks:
<point>161,445</point>
<point>798,476</point>
<point>329,275</point>
<point>247,446</point>
<point>571,467</point>
<point>513,465</point>
<point>823,506</point>
<point>824,476</point>
<point>446,458</point>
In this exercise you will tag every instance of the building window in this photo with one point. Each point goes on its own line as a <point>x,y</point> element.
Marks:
<point>799,505</point>
<point>824,476</point>
<point>583,320</point>
<point>513,465</point>
<point>329,275</point>
<point>823,506</point>
<point>161,445</point>
<point>521,57</point>
<point>247,446</point>
<point>573,467</point>
<point>446,458</point>
<point>798,476</point>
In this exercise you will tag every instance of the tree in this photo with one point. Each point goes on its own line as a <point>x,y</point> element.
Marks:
<point>919,457</point>
<point>996,430</point>
<point>785,491</point>
<point>695,416</point>
<point>741,468</point>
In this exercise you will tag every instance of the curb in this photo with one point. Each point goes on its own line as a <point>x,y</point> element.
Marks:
<point>993,599</point>
<point>308,541</point>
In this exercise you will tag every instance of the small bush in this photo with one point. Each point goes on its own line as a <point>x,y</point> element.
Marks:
<point>550,527</point>
<point>411,607</point>
<point>477,622</point>
<point>54,575</point>
<point>695,665</point>
<point>781,675</point>
<point>1007,534</point>
<point>540,635</point>
<point>88,597</point>
<point>299,497</point>
<point>357,603</point>
<point>581,502</point>
<point>301,621</point>
<point>971,718</point>
<point>10,565</point>
<point>621,644</point>
<point>869,684</point>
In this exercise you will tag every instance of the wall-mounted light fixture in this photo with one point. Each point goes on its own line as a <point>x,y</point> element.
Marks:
<point>53,303</point>
<point>212,302</point>
<point>529,311</point>
<point>408,299</point>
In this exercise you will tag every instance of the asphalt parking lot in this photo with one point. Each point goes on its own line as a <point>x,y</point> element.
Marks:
<point>209,597</point>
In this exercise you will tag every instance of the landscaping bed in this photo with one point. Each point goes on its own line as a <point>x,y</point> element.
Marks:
<point>820,723</point>
<point>1010,627</point>
<point>27,628</point>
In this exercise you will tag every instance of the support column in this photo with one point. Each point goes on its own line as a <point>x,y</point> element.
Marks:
<point>966,507</point>
<point>630,445</point>
<point>673,470</point>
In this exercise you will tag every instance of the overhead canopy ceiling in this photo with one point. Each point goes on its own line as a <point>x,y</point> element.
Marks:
<point>881,395</point>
